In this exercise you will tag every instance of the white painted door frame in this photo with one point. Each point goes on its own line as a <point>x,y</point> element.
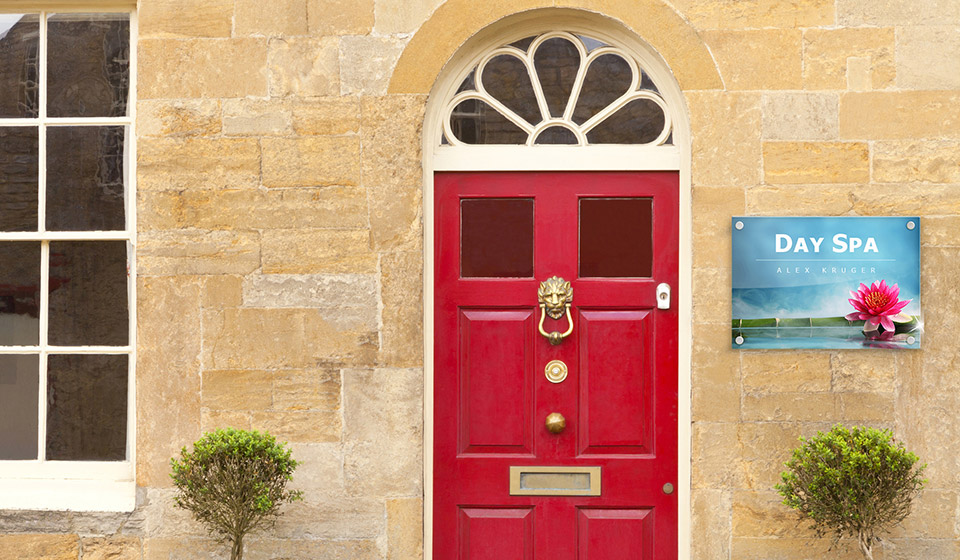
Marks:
<point>676,157</point>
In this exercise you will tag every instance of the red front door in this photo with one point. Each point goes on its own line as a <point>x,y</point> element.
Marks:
<point>505,486</point>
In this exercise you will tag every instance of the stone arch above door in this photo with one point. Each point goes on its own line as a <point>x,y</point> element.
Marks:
<point>456,21</point>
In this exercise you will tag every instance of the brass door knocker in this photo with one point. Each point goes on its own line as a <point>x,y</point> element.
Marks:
<point>555,295</point>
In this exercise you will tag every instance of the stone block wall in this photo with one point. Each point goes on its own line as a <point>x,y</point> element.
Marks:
<point>280,260</point>
<point>279,277</point>
<point>280,264</point>
<point>828,108</point>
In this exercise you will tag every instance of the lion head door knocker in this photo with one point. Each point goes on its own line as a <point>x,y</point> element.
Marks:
<point>555,295</point>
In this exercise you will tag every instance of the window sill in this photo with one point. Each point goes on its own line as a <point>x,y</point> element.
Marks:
<point>54,5</point>
<point>68,495</point>
<point>111,487</point>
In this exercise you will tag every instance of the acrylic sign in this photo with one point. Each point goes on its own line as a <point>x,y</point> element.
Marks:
<point>844,282</point>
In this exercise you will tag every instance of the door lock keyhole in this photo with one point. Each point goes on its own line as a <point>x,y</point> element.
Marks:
<point>663,296</point>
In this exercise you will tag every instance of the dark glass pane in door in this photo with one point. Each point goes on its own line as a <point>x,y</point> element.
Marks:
<point>496,238</point>
<point>86,407</point>
<point>88,293</point>
<point>89,65</point>
<point>19,158</point>
<point>85,179</point>
<point>19,65</point>
<point>19,293</point>
<point>616,237</point>
<point>19,399</point>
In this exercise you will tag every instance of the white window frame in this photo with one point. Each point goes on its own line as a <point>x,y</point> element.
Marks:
<point>77,485</point>
<point>487,157</point>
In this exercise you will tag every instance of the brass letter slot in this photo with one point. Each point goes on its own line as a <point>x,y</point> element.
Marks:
<point>554,481</point>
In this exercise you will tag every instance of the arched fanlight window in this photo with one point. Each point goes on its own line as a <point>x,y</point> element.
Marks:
<point>557,88</point>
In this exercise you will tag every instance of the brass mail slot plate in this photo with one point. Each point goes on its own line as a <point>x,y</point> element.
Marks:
<point>554,481</point>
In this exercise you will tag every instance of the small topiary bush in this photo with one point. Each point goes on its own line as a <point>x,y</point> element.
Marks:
<point>855,482</point>
<point>234,481</point>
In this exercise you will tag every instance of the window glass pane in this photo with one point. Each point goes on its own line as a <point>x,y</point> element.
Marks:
<point>18,178</point>
<point>19,65</point>
<point>616,237</point>
<point>638,122</point>
<point>556,135</point>
<point>468,83</point>
<point>523,44</point>
<point>85,178</point>
<point>88,293</point>
<point>19,396</point>
<point>86,408</point>
<point>557,61</point>
<point>19,293</point>
<point>646,83</point>
<point>507,80</point>
<point>475,122</point>
<point>496,237</point>
<point>607,79</point>
<point>88,65</point>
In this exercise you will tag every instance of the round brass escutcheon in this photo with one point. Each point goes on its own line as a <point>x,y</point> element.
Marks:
<point>556,371</point>
<point>668,488</point>
<point>556,422</point>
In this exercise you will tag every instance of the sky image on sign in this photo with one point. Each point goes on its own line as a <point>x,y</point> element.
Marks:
<point>826,282</point>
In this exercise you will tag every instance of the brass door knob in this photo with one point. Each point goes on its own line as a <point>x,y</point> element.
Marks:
<point>556,422</point>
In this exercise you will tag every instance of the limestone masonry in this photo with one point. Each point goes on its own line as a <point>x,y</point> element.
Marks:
<point>280,256</point>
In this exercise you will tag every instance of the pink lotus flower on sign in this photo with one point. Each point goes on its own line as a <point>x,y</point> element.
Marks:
<point>878,305</point>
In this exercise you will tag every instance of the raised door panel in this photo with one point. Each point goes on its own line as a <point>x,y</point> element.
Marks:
<point>496,382</point>
<point>616,381</point>
<point>496,533</point>
<point>615,534</point>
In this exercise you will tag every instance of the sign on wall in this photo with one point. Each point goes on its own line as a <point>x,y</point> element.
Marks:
<point>838,282</point>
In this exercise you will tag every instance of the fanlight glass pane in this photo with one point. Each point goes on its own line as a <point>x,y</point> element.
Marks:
<point>19,155</point>
<point>87,407</point>
<point>89,65</point>
<point>19,65</point>
<point>88,293</point>
<point>496,238</point>
<point>468,83</point>
<point>590,43</point>
<point>608,78</point>
<point>616,237</point>
<point>646,83</point>
<point>507,107</point>
<point>20,293</point>
<point>523,44</point>
<point>506,78</point>
<point>556,135</point>
<point>475,122</point>
<point>19,401</point>
<point>85,179</point>
<point>638,122</point>
<point>557,61</point>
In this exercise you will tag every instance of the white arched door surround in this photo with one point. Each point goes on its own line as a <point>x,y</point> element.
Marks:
<point>439,156</point>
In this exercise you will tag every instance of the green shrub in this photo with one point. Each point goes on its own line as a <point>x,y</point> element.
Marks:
<point>855,482</point>
<point>234,481</point>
